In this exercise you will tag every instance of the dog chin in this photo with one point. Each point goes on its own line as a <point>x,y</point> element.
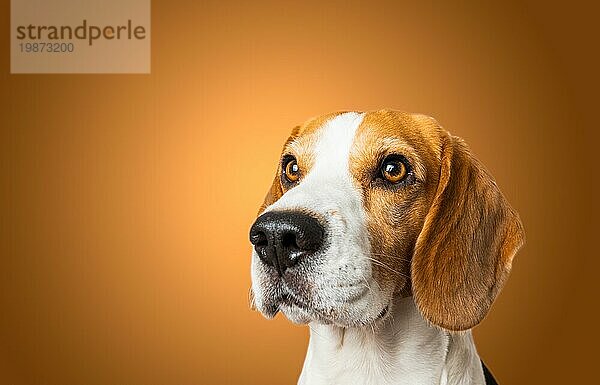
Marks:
<point>300,315</point>
<point>369,309</point>
<point>297,315</point>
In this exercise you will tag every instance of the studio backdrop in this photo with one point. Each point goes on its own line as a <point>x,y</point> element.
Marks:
<point>127,198</point>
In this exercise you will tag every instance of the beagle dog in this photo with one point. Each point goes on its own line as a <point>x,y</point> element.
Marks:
<point>384,234</point>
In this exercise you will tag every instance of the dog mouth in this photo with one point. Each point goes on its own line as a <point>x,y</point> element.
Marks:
<point>303,297</point>
<point>303,311</point>
<point>285,299</point>
<point>289,300</point>
<point>383,313</point>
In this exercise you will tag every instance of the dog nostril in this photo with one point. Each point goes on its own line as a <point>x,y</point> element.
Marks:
<point>259,238</point>
<point>288,241</point>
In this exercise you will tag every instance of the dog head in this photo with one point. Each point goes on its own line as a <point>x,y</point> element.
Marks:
<point>365,207</point>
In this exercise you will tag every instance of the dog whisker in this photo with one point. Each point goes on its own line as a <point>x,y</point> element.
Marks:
<point>401,259</point>
<point>385,266</point>
<point>362,275</point>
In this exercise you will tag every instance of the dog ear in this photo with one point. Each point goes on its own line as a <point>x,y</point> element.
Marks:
<point>464,252</point>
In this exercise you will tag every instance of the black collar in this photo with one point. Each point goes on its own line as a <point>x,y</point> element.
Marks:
<point>489,378</point>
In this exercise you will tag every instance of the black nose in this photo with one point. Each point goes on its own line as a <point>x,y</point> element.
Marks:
<point>282,238</point>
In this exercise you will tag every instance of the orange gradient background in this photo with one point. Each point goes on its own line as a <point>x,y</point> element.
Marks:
<point>126,199</point>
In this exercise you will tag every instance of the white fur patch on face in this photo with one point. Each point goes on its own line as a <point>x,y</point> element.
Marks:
<point>330,176</point>
<point>337,285</point>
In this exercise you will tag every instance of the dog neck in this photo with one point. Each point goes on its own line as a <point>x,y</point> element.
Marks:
<point>402,349</point>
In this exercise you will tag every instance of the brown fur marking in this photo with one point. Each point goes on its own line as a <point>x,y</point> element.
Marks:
<point>300,143</point>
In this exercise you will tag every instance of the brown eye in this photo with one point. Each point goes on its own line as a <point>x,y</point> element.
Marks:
<point>291,170</point>
<point>393,169</point>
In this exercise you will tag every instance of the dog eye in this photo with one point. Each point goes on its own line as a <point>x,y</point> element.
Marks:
<point>291,170</point>
<point>394,169</point>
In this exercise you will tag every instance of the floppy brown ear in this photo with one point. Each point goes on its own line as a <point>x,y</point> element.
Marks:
<point>464,252</point>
